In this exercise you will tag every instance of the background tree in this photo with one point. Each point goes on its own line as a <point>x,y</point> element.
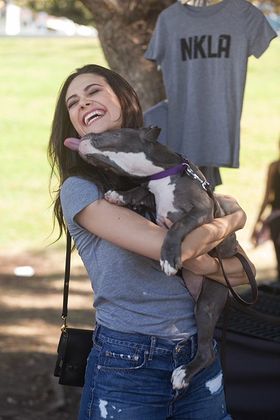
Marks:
<point>71,9</point>
<point>124,28</point>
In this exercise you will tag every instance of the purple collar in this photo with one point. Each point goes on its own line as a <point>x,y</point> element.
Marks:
<point>182,168</point>
<point>174,170</point>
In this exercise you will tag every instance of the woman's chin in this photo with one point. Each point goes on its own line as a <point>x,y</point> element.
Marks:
<point>100,126</point>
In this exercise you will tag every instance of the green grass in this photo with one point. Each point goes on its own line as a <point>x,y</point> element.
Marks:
<point>31,72</point>
<point>260,133</point>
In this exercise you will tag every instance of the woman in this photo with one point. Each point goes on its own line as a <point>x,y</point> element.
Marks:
<point>145,319</point>
<point>269,227</point>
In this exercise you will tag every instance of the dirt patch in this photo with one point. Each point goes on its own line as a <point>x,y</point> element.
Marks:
<point>30,313</point>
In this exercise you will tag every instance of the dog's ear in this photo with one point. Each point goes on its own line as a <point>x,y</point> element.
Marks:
<point>150,133</point>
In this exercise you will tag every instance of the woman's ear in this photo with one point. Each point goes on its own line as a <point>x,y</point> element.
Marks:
<point>150,133</point>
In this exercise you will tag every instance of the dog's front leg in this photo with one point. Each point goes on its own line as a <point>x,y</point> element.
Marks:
<point>138,196</point>
<point>170,259</point>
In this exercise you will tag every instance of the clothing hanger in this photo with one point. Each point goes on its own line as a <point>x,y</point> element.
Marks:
<point>199,3</point>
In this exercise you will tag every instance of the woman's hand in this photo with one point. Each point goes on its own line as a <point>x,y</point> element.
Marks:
<point>234,269</point>
<point>210,267</point>
<point>228,203</point>
<point>206,237</point>
<point>254,235</point>
<point>204,265</point>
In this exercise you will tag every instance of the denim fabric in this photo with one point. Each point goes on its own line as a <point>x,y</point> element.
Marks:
<point>128,377</point>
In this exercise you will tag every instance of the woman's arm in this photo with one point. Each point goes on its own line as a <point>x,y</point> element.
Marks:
<point>268,194</point>
<point>133,232</point>
<point>267,199</point>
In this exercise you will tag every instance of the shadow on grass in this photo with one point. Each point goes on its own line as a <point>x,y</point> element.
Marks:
<point>30,313</point>
<point>51,283</point>
<point>30,392</point>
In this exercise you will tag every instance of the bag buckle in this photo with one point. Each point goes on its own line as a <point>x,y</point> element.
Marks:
<point>64,325</point>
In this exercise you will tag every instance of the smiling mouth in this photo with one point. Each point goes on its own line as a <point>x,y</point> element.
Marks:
<point>93,116</point>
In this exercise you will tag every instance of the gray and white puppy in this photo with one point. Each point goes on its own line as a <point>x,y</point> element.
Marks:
<point>181,194</point>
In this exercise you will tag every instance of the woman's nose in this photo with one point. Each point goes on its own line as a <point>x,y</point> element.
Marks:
<point>84,102</point>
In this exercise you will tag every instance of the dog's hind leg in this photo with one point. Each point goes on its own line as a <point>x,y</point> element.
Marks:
<point>209,306</point>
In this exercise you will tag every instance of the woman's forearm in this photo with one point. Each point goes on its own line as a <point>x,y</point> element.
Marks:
<point>133,232</point>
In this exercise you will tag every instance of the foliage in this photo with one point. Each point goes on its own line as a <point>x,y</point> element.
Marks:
<point>76,11</point>
<point>72,9</point>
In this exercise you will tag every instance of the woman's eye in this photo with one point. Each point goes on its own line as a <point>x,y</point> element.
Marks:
<point>92,92</point>
<point>71,104</point>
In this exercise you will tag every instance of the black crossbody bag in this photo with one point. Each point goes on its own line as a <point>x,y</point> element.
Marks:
<point>74,344</point>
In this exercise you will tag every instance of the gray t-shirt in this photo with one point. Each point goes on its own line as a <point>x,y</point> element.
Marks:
<point>131,293</point>
<point>157,115</point>
<point>203,54</point>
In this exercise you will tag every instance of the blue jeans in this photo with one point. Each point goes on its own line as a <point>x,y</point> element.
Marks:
<point>128,377</point>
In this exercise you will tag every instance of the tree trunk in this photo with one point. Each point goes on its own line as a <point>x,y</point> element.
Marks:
<point>125,28</point>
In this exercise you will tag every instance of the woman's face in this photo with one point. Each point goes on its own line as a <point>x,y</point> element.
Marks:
<point>92,105</point>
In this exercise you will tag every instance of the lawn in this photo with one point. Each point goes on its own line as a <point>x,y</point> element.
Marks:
<point>31,72</point>
<point>260,133</point>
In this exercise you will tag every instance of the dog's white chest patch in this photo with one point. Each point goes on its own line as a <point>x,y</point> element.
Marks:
<point>163,191</point>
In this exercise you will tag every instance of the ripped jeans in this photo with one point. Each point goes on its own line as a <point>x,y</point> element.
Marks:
<point>128,377</point>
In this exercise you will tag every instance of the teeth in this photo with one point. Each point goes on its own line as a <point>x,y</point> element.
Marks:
<point>92,116</point>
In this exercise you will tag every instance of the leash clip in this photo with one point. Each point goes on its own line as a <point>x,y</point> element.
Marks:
<point>189,171</point>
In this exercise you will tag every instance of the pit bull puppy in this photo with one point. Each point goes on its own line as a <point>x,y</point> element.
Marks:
<point>181,194</point>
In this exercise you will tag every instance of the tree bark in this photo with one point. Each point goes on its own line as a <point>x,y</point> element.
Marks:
<point>125,28</point>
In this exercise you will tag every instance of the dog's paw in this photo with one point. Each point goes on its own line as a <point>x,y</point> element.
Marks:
<point>114,198</point>
<point>167,268</point>
<point>170,257</point>
<point>178,378</point>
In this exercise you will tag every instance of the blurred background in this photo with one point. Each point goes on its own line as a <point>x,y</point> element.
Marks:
<point>39,47</point>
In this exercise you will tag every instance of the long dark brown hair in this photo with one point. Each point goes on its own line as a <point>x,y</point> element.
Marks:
<point>65,162</point>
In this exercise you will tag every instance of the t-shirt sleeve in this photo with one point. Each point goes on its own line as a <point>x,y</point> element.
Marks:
<point>156,49</point>
<point>259,31</point>
<point>76,194</point>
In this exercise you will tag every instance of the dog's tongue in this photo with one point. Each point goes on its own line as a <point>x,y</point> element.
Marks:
<point>72,143</point>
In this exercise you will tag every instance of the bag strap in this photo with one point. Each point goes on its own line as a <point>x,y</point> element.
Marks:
<point>66,280</point>
<point>250,276</point>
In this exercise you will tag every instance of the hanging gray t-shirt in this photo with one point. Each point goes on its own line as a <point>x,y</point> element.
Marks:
<point>157,115</point>
<point>131,293</point>
<point>203,54</point>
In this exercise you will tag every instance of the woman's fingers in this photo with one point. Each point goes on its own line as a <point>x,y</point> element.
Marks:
<point>164,222</point>
<point>228,203</point>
